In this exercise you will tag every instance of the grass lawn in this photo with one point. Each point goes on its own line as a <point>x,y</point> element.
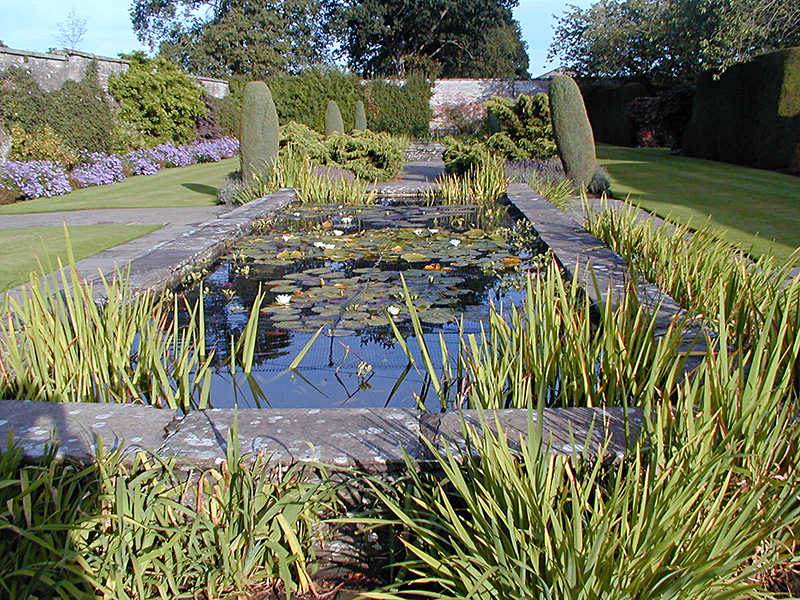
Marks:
<point>20,248</point>
<point>759,210</point>
<point>195,185</point>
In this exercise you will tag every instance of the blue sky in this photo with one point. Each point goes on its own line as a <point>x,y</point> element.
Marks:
<point>30,25</point>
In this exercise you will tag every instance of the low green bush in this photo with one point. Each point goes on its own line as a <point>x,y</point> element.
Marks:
<point>42,144</point>
<point>525,134</point>
<point>157,99</point>
<point>367,154</point>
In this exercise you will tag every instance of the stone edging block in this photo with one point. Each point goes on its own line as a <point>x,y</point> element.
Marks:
<point>370,439</point>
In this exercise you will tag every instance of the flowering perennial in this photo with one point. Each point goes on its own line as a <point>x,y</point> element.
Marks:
<point>38,178</point>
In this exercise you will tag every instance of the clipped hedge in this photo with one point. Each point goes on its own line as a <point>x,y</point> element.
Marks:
<point>78,113</point>
<point>606,107</point>
<point>750,115</point>
<point>397,109</point>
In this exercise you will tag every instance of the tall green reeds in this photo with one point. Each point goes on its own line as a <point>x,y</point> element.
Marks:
<point>481,185</point>
<point>555,350</point>
<point>57,343</point>
<point>148,530</point>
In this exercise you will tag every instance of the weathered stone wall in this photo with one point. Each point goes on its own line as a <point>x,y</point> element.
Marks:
<point>52,70</point>
<point>467,95</point>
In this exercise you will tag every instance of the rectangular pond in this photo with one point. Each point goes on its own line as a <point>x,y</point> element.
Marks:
<point>338,269</point>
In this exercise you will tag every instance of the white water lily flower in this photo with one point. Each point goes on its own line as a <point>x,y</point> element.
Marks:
<point>347,220</point>
<point>433,231</point>
<point>393,310</point>
<point>288,237</point>
<point>297,214</point>
<point>338,232</point>
<point>283,299</point>
<point>324,246</point>
<point>455,242</point>
<point>419,231</point>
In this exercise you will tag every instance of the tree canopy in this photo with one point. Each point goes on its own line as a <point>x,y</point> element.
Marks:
<point>670,41</point>
<point>451,38</point>
<point>219,38</point>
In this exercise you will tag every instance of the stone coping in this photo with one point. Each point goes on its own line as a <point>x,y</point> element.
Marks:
<point>369,439</point>
<point>167,265</point>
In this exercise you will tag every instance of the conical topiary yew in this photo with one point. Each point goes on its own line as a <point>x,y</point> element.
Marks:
<point>333,119</point>
<point>572,130</point>
<point>361,117</point>
<point>259,136</point>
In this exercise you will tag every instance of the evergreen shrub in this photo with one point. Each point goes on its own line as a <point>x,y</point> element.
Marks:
<point>79,113</point>
<point>750,115</point>
<point>333,119</point>
<point>360,117</point>
<point>606,106</point>
<point>572,130</point>
<point>157,99</point>
<point>260,135</point>
<point>396,109</point>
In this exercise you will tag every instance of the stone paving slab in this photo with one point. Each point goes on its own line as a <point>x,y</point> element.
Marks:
<point>565,431</point>
<point>79,426</point>
<point>188,216</point>
<point>374,440</point>
<point>370,439</point>
<point>598,267</point>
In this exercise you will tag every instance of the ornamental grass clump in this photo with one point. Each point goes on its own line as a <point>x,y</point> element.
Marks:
<point>58,344</point>
<point>482,185</point>
<point>148,529</point>
<point>703,505</point>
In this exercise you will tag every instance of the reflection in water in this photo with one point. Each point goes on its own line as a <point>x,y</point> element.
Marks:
<point>338,270</point>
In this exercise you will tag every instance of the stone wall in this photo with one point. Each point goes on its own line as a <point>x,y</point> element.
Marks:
<point>465,96</point>
<point>52,70</point>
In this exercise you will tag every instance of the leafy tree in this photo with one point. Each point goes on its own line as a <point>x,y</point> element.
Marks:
<point>669,41</point>
<point>219,38</point>
<point>449,38</point>
<point>157,99</point>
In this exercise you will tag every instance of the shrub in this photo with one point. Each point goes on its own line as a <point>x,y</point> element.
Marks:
<point>208,126</point>
<point>34,178</point>
<point>526,125</point>
<point>333,119</point>
<point>360,117</point>
<point>606,104</point>
<point>400,110</point>
<point>157,99</point>
<point>43,144</point>
<point>259,138</point>
<point>460,156</point>
<point>750,115</point>
<point>572,130</point>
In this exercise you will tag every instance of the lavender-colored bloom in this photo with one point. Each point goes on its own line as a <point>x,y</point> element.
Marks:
<point>215,150</point>
<point>100,169</point>
<point>142,162</point>
<point>34,178</point>
<point>174,156</point>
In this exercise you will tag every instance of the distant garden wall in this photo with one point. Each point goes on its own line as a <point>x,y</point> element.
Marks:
<point>466,97</point>
<point>52,70</point>
<point>750,115</point>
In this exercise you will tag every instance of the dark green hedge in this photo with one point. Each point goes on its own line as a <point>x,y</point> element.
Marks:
<point>79,112</point>
<point>303,98</point>
<point>750,115</point>
<point>605,105</point>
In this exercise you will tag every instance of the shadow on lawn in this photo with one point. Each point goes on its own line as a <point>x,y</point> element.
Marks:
<point>201,188</point>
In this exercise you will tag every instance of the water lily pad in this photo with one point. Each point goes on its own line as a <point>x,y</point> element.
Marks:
<point>413,257</point>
